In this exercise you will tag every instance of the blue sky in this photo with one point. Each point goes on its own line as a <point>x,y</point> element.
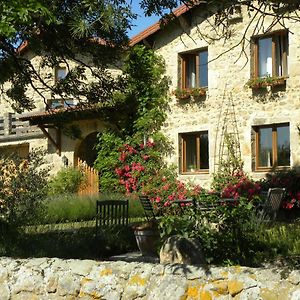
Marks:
<point>141,22</point>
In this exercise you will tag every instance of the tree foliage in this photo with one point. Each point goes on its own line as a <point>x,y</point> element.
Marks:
<point>22,189</point>
<point>90,33</point>
<point>93,34</point>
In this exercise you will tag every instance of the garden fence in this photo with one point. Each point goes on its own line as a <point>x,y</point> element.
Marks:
<point>91,184</point>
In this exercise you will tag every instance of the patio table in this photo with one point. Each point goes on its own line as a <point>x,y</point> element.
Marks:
<point>203,206</point>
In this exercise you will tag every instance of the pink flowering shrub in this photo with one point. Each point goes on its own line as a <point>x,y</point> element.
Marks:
<point>290,180</point>
<point>141,170</point>
<point>235,185</point>
<point>241,186</point>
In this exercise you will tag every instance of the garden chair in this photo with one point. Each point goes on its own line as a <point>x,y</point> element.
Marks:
<point>148,208</point>
<point>269,209</point>
<point>111,213</point>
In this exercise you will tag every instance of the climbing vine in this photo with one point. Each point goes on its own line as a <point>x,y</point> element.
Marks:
<point>140,111</point>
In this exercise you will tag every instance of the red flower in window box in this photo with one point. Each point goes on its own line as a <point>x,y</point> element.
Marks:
<point>182,94</point>
<point>263,82</point>
<point>198,92</point>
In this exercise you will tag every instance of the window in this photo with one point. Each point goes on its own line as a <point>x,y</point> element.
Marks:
<point>21,151</point>
<point>61,103</point>
<point>194,152</point>
<point>272,146</point>
<point>270,55</point>
<point>194,71</point>
<point>60,73</point>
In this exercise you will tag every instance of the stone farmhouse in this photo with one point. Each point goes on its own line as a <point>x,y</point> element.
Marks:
<point>52,126</point>
<point>242,99</point>
<point>234,91</point>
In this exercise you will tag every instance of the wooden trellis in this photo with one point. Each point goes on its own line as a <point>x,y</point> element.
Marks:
<point>227,134</point>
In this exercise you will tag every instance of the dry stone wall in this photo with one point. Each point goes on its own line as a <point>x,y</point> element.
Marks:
<point>52,278</point>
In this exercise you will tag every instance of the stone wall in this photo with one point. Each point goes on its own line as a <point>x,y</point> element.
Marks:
<point>52,278</point>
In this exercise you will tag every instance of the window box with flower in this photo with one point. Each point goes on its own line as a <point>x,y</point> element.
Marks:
<point>186,94</point>
<point>264,82</point>
<point>182,94</point>
<point>198,92</point>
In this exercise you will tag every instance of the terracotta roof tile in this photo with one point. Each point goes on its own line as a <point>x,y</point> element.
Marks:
<point>156,26</point>
<point>53,112</point>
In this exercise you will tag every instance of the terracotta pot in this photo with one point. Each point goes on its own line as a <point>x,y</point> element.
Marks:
<point>147,240</point>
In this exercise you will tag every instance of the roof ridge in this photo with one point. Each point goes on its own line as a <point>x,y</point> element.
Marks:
<point>157,26</point>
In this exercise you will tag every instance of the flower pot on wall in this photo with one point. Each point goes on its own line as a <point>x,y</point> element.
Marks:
<point>147,238</point>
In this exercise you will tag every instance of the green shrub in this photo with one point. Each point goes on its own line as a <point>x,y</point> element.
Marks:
<point>22,189</point>
<point>282,239</point>
<point>141,111</point>
<point>66,181</point>
<point>226,232</point>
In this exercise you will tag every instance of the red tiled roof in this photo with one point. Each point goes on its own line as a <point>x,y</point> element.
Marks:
<point>23,47</point>
<point>157,26</point>
<point>57,111</point>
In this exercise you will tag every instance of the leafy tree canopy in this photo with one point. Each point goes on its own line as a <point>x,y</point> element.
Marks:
<point>60,30</point>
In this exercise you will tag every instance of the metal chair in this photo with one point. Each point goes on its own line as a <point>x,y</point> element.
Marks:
<point>269,209</point>
<point>111,213</point>
<point>148,208</point>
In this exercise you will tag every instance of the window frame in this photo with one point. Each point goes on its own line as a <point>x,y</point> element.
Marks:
<point>183,61</point>
<point>274,146</point>
<point>255,49</point>
<point>182,152</point>
<point>61,103</point>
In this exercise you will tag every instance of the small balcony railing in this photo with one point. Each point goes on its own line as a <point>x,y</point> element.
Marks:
<point>13,128</point>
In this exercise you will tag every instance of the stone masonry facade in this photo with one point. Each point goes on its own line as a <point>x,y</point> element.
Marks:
<point>228,73</point>
<point>69,145</point>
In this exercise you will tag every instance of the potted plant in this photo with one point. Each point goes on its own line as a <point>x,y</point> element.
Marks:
<point>198,92</point>
<point>147,237</point>
<point>192,168</point>
<point>263,82</point>
<point>182,94</point>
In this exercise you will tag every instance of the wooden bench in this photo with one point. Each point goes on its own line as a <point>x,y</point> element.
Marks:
<point>111,213</point>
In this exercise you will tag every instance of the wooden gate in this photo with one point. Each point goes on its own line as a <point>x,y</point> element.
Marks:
<point>91,183</point>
